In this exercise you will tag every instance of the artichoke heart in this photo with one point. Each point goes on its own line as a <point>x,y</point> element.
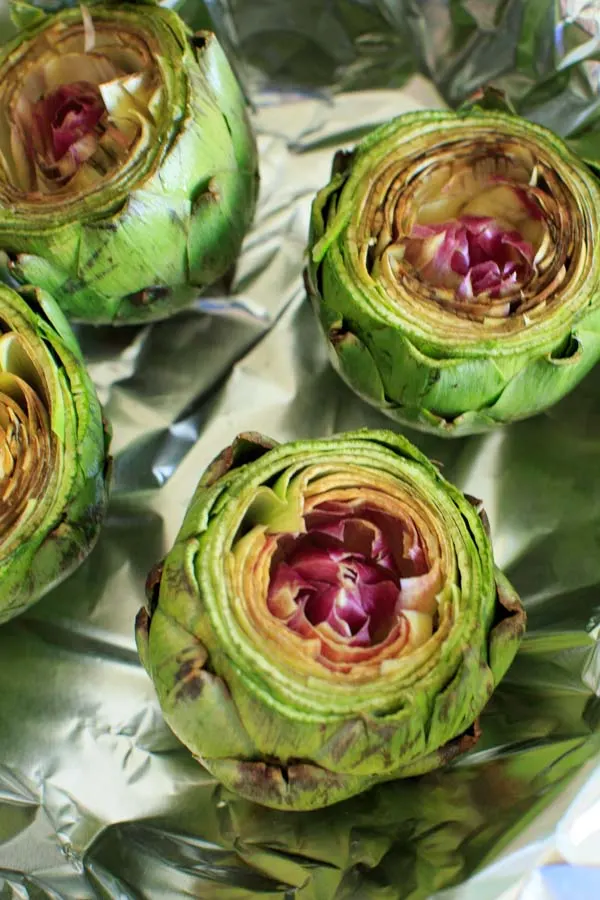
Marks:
<point>453,269</point>
<point>78,112</point>
<point>53,451</point>
<point>329,617</point>
<point>128,171</point>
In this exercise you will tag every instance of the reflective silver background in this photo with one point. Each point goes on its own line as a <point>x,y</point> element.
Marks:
<point>97,798</point>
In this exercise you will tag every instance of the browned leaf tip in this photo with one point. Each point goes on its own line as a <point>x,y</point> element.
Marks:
<point>461,744</point>
<point>153,586</point>
<point>201,38</point>
<point>190,677</point>
<point>478,505</point>
<point>515,622</point>
<point>342,161</point>
<point>142,622</point>
<point>236,454</point>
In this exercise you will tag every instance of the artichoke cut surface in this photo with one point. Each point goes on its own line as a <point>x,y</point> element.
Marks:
<point>128,170</point>
<point>454,269</point>
<point>329,617</point>
<point>53,451</point>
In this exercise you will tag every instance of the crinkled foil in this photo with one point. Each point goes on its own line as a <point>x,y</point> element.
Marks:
<point>97,798</point>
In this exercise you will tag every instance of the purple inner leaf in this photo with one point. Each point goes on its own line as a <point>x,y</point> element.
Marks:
<point>346,572</point>
<point>66,115</point>
<point>473,254</point>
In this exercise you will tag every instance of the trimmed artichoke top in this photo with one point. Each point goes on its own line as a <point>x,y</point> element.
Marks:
<point>453,269</point>
<point>493,228</point>
<point>128,171</point>
<point>88,96</point>
<point>329,617</point>
<point>53,451</point>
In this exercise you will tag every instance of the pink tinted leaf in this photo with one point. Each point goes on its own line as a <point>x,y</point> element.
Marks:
<point>349,576</point>
<point>477,248</point>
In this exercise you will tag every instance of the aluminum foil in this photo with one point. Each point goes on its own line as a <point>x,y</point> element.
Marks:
<point>97,797</point>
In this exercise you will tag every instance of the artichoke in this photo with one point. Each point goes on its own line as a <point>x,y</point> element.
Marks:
<point>329,617</point>
<point>53,450</point>
<point>128,172</point>
<point>453,269</point>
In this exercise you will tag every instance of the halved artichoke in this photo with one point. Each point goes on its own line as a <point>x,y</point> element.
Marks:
<point>453,268</point>
<point>53,451</point>
<point>128,170</point>
<point>329,617</point>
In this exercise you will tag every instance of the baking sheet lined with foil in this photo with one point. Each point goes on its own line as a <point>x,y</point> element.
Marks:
<point>97,797</point>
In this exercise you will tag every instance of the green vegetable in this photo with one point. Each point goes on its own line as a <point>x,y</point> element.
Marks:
<point>454,269</point>
<point>128,170</point>
<point>329,617</point>
<point>53,451</point>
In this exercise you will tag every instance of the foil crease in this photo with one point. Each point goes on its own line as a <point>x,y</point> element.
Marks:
<point>97,797</point>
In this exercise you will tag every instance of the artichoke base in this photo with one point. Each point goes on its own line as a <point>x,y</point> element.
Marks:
<point>302,786</point>
<point>293,784</point>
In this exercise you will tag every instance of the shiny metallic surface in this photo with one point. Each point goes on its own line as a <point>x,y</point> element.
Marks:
<point>97,798</point>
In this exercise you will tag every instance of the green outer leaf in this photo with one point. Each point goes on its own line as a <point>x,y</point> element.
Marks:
<point>66,526</point>
<point>246,712</point>
<point>170,224</point>
<point>425,374</point>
